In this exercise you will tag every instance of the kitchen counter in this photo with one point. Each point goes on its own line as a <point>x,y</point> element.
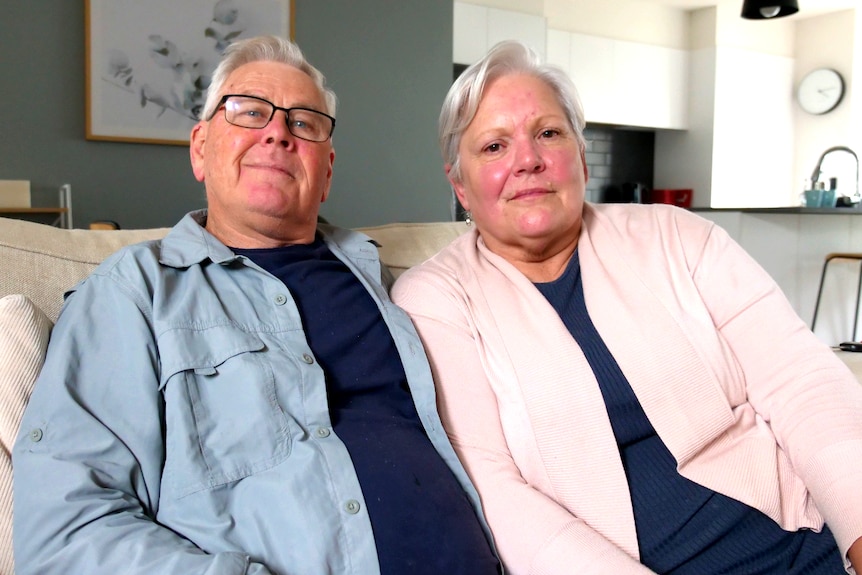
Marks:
<point>791,244</point>
<point>855,211</point>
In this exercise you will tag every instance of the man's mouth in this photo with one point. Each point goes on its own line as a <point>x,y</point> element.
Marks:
<point>271,167</point>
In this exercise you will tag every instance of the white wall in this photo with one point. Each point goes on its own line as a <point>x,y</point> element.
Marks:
<point>776,37</point>
<point>842,126</point>
<point>632,20</point>
<point>534,7</point>
<point>683,160</point>
<point>752,161</point>
<point>738,150</point>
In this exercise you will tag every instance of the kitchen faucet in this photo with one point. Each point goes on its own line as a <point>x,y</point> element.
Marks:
<point>815,175</point>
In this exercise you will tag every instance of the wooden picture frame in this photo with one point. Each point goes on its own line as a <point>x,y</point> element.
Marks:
<point>148,63</point>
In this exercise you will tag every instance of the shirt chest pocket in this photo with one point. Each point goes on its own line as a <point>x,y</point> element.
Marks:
<point>223,418</point>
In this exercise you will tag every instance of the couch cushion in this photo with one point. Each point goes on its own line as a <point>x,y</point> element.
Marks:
<point>42,261</point>
<point>403,246</point>
<point>24,332</point>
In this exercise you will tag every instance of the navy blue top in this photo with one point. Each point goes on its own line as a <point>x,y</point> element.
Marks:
<point>422,520</point>
<point>682,527</point>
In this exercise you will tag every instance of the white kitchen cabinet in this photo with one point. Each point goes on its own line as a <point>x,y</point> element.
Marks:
<point>591,67</point>
<point>624,83</point>
<point>558,47</point>
<point>508,25</point>
<point>477,28</point>
<point>469,33</point>
<point>651,85</point>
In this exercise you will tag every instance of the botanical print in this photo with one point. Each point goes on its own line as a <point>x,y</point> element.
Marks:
<point>151,61</point>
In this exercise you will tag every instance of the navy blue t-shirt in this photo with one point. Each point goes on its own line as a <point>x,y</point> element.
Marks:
<point>423,521</point>
<point>682,527</point>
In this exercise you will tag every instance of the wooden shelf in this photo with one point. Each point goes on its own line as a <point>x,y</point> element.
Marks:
<point>34,210</point>
<point>63,211</point>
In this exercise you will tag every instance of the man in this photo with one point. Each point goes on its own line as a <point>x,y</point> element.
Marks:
<point>242,397</point>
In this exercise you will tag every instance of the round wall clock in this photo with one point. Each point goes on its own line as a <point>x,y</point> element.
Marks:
<point>820,91</point>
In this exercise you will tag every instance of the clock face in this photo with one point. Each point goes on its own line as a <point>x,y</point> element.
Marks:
<point>820,91</point>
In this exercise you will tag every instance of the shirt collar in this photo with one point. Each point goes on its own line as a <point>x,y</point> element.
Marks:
<point>189,243</point>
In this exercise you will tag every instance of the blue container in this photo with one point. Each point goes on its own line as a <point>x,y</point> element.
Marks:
<point>813,198</point>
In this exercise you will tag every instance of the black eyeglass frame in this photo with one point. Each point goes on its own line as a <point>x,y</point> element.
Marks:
<point>224,99</point>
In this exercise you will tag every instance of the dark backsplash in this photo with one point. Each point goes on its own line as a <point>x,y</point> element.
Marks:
<point>616,159</point>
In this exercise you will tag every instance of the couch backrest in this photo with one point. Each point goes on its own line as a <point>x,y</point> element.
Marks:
<point>42,262</point>
<point>403,246</point>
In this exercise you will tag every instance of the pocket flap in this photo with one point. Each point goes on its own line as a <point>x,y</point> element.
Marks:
<point>203,349</point>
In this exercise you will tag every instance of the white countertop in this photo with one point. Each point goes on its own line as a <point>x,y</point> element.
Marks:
<point>853,359</point>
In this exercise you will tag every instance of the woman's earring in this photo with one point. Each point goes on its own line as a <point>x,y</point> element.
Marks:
<point>468,219</point>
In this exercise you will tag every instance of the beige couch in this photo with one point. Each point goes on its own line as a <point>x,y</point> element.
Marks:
<point>38,263</point>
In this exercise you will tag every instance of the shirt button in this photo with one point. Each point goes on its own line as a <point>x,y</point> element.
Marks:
<point>352,507</point>
<point>307,358</point>
<point>280,299</point>
<point>322,432</point>
<point>36,435</point>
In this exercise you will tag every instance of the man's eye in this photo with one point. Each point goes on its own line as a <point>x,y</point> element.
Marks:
<point>252,112</point>
<point>306,121</point>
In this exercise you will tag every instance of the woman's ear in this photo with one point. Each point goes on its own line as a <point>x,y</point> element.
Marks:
<point>584,165</point>
<point>457,187</point>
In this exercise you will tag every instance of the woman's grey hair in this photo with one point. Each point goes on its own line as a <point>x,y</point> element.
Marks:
<point>507,57</point>
<point>264,49</point>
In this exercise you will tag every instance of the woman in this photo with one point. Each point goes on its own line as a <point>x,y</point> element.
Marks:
<point>629,391</point>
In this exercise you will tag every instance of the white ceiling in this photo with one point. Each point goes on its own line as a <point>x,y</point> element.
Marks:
<point>806,8</point>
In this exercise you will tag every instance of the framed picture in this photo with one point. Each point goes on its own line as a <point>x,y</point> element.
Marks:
<point>148,64</point>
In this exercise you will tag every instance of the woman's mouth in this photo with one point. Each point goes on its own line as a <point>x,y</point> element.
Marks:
<point>530,194</point>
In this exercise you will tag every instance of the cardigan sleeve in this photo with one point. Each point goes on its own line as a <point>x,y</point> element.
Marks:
<point>533,533</point>
<point>795,383</point>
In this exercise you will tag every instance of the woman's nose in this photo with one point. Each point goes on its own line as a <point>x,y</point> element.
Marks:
<point>529,158</point>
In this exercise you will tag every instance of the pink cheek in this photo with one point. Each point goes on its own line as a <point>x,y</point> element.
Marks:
<point>492,179</point>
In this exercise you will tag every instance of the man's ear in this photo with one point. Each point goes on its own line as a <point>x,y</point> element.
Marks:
<point>328,177</point>
<point>196,149</point>
<point>457,187</point>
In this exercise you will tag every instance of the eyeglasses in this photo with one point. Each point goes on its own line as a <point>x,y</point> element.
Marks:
<point>256,113</point>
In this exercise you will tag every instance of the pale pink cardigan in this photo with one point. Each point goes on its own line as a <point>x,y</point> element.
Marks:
<point>749,402</point>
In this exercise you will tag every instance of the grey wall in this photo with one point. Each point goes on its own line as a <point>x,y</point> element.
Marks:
<point>389,61</point>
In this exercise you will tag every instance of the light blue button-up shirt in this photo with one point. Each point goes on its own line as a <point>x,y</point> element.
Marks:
<point>180,424</point>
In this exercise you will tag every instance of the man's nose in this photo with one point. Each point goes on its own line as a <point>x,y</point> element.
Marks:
<point>277,130</point>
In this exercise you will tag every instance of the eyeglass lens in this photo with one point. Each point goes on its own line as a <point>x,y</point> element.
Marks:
<point>255,113</point>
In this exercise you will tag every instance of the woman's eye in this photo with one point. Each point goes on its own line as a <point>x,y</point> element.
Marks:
<point>492,148</point>
<point>550,133</point>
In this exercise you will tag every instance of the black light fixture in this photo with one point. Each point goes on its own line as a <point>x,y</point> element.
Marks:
<point>768,9</point>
